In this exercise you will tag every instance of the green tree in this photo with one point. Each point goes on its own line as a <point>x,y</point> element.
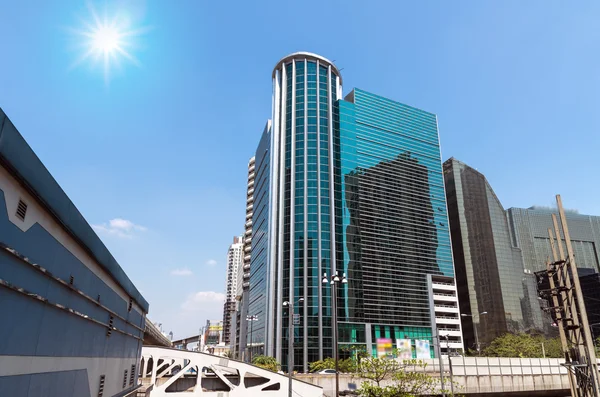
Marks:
<point>347,365</point>
<point>377,369</point>
<point>266,362</point>
<point>523,346</point>
<point>405,382</point>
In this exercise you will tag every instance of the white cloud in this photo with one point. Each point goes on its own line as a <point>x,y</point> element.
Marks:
<point>203,300</point>
<point>211,262</point>
<point>181,272</point>
<point>119,227</point>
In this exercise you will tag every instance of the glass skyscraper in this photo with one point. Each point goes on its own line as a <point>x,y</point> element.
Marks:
<point>352,185</point>
<point>489,267</point>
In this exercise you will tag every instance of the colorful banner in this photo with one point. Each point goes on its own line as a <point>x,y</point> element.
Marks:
<point>384,347</point>
<point>404,349</point>
<point>423,350</point>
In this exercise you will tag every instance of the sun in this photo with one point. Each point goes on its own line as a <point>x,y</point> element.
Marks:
<point>106,41</point>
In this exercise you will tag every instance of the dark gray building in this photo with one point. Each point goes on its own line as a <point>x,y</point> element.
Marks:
<point>529,229</point>
<point>489,266</point>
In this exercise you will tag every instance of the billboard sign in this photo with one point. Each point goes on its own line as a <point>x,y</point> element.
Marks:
<point>404,348</point>
<point>384,347</point>
<point>423,350</point>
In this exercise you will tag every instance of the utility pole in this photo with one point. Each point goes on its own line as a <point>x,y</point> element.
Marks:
<point>571,315</point>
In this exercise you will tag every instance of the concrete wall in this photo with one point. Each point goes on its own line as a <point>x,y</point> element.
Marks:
<point>475,376</point>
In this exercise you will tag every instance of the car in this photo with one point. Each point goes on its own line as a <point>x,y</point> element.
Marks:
<point>326,372</point>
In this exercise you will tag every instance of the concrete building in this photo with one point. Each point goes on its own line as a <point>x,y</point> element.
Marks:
<point>234,262</point>
<point>445,314</point>
<point>243,276</point>
<point>353,186</point>
<point>72,321</point>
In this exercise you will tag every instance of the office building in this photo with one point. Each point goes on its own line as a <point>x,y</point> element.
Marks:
<point>349,185</point>
<point>234,262</point>
<point>489,267</point>
<point>72,320</point>
<point>261,276</point>
<point>529,231</point>
<point>589,280</point>
<point>243,276</point>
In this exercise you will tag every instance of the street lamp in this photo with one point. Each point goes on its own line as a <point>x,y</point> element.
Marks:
<point>252,319</point>
<point>336,279</point>
<point>477,346</point>
<point>290,306</point>
<point>439,338</point>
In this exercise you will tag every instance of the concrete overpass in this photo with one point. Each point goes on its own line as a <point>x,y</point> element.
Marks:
<point>153,336</point>
<point>185,341</point>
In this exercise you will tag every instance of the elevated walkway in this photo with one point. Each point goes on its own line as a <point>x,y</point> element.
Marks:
<point>168,372</point>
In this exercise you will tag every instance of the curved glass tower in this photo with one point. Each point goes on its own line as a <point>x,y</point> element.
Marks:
<point>305,88</point>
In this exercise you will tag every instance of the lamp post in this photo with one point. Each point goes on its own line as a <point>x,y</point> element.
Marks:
<point>290,306</point>
<point>449,362</point>
<point>477,346</point>
<point>252,319</point>
<point>439,349</point>
<point>335,279</point>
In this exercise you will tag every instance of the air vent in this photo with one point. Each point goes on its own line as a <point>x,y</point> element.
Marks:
<point>124,379</point>
<point>110,326</point>
<point>71,280</point>
<point>132,375</point>
<point>101,387</point>
<point>21,210</point>
<point>130,304</point>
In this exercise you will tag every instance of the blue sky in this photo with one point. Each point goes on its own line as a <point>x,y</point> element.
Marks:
<point>161,148</point>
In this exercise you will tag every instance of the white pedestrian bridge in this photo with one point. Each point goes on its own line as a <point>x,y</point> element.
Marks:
<point>167,372</point>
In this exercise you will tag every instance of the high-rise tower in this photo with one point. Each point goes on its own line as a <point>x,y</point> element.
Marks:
<point>243,276</point>
<point>350,185</point>
<point>234,262</point>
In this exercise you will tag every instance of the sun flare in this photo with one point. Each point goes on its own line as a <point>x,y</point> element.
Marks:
<point>106,41</point>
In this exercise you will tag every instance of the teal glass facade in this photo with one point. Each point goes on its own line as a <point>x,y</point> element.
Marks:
<point>355,186</point>
<point>393,223</point>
